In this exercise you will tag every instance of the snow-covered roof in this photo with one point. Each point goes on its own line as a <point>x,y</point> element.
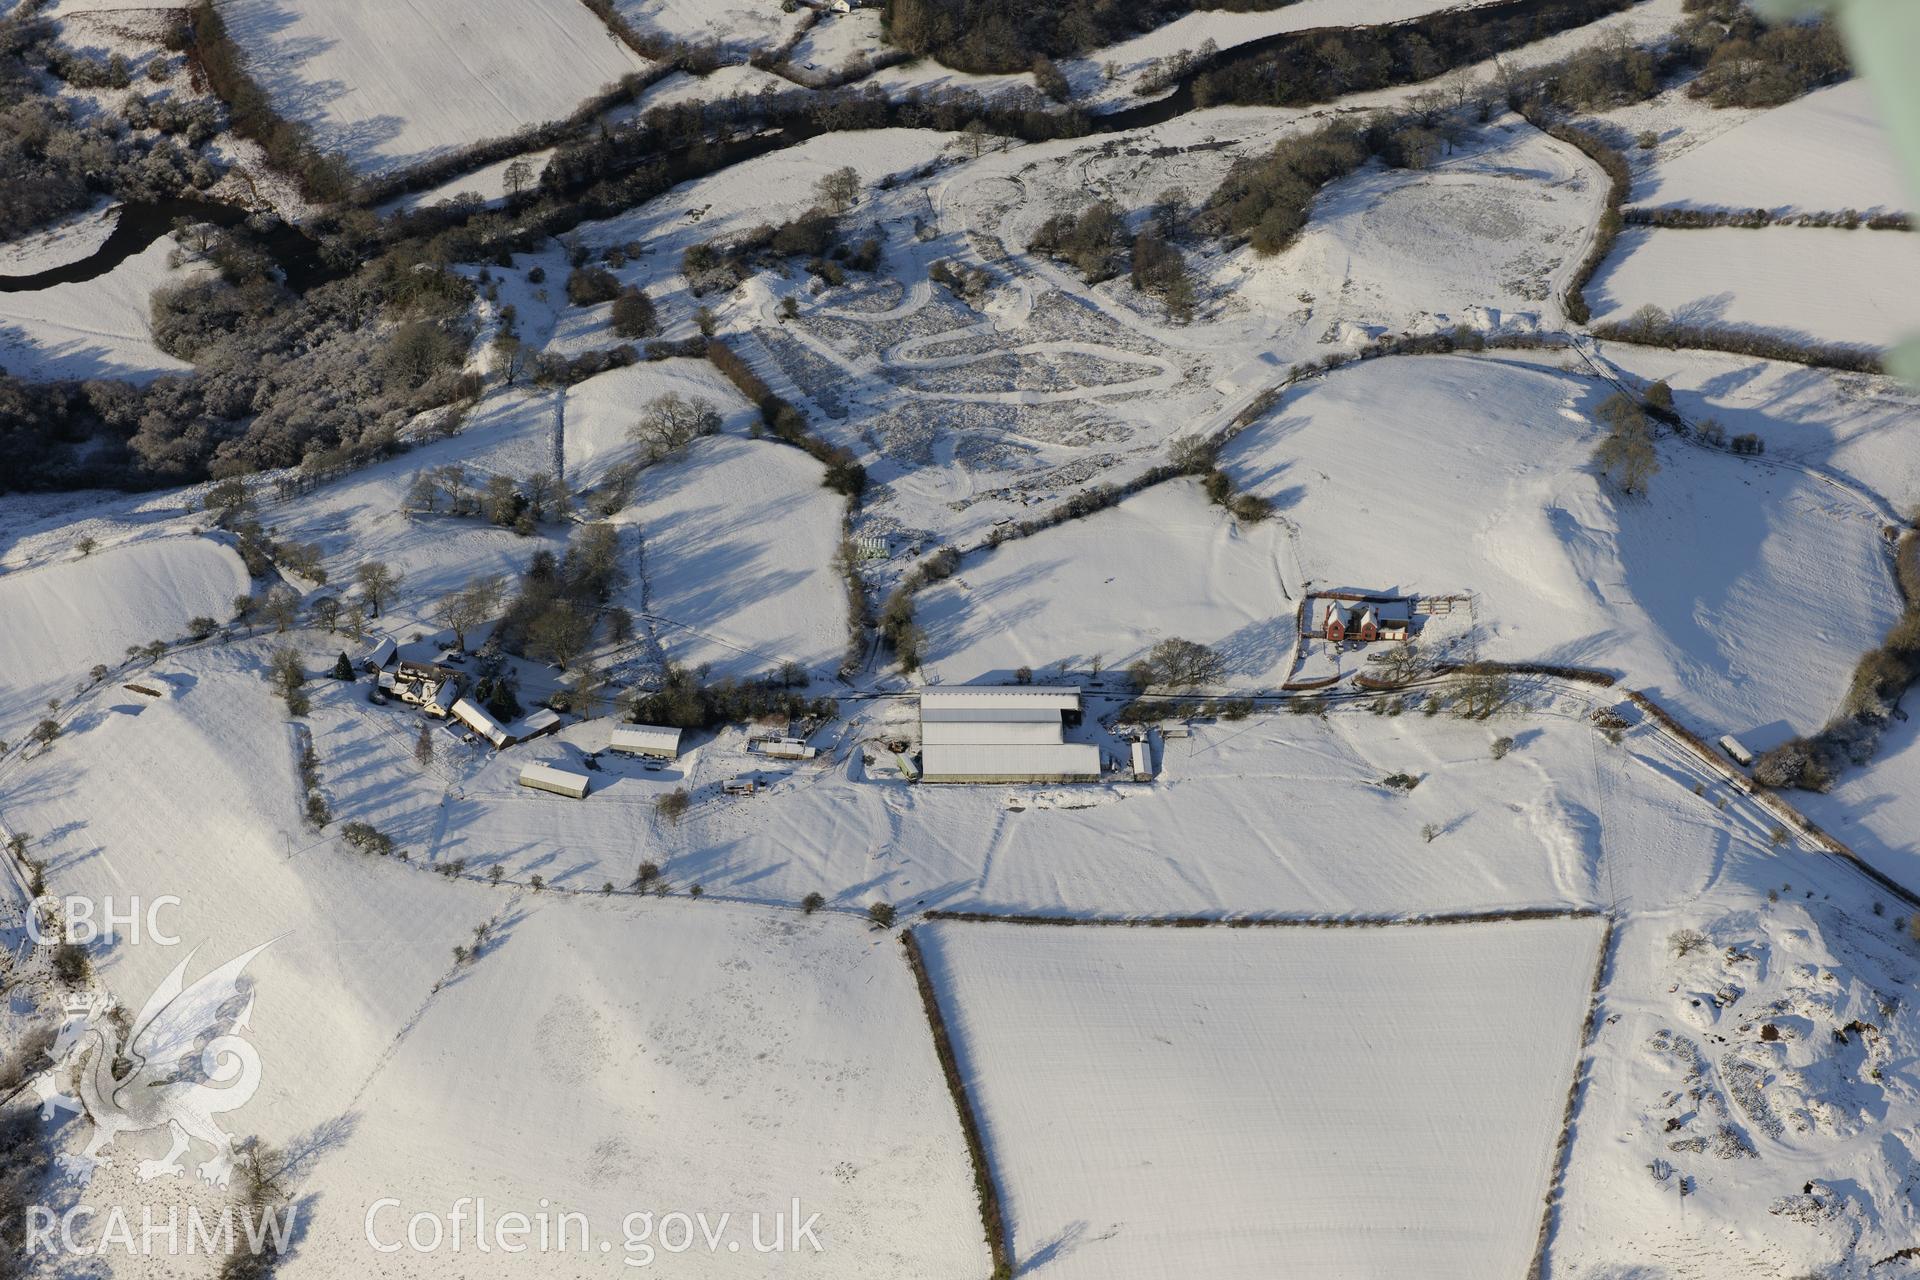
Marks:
<point>537,722</point>
<point>475,717</point>
<point>1010,762</point>
<point>956,732</point>
<point>647,738</point>
<point>378,656</point>
<point>1064,697</point>
<point>1041,713</point>
<point>547,778</point>
<point>444,695</point>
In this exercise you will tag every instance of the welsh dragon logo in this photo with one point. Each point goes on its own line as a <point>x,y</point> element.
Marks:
<point>183,1064</point>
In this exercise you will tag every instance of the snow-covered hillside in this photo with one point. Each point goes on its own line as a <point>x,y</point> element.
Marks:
<point>95,328</point>
<point>1812,285</point>
<point>527,677</point>
<point>64,618</point>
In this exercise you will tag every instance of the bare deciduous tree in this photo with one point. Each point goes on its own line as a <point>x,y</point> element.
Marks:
<point>673,421</point>
<point>1183,664</point>
<point>377,582</point>
<point>839,189</point>
<point>471,606</point>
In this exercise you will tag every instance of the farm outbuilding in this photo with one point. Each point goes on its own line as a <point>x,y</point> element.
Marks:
<point>561,782</point>
<point>472,715</point>
<point>782,748</point>
<point>536,724</point>
<point>376,658</point>
<point>647,740</point>
<point>1003,733</point>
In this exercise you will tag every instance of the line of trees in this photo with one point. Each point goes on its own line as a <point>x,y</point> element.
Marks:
<point>1304,68</point>
<point>994,36</point>
<point>1880,679</point>
<point>1695,219</point>
<point>323,176</point>
<point>1619,182</point>
<point>685,700</point>
<point>845,475</point>
<point>1650,326</point>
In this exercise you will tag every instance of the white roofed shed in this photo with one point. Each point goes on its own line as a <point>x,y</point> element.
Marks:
<point>1000,697</point>
<point>561,782</point>
<point>1055,762</point>
<point>1003,733</point>
<point>647,740</point>
<point>475,717</point>
<point>960,733</point>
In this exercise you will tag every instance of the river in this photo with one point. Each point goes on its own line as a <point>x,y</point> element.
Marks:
<point>144,221</point>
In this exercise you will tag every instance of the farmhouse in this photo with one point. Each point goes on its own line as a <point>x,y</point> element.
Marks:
<point>1366,621</point>
<point>647,740</point>
<point>1003,733</point>
<point>423,684</point>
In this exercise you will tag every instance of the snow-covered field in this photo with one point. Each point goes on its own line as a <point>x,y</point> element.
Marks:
<point>838,40</point>
<point>201,802</point>
<point>771,189</point>
<point>392,84</point>
<point>1751,1083</point>
<point>387,1093</point>
<point>1362,1101</point>
<point>1456,474</point>
<point>659,1058</point>
<point>63,618</point>
<point>1162,563</point>
<point>602,411</point>
<point>1239,820</point>
<point>1485,238</point>
<point>738,541</point>
<point>1814,284</point>
<point>1825,151</point>
<point>365,517</point>
<point>1852,425</point>
<point>97,328</point>
<point>489,183</point>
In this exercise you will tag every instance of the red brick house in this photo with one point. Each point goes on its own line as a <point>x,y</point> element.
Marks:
<point>1365,622</point>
